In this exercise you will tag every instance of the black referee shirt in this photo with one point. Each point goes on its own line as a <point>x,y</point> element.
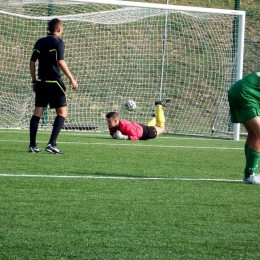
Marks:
<point>48,50</point>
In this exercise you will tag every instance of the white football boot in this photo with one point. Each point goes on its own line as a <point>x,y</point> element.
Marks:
<point>252,179</point>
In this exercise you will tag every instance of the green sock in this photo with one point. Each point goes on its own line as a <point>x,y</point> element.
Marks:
<point>252,158</point>
<point>245,150</point>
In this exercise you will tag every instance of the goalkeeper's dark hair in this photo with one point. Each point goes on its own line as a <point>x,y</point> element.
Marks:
<point>54,25</point>
<point>112,115</point>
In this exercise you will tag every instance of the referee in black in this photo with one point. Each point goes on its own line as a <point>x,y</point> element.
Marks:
<point>48,86</point>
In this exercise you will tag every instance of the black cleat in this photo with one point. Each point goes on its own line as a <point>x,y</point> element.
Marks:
<point>34,149</point>
<point>53,149</point>
<point>163,102</point>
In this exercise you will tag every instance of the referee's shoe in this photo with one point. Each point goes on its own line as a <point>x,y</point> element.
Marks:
<point>53,149</point>
<point>34,149</point>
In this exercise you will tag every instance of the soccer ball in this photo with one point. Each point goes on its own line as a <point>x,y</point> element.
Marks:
<point>130,105</point>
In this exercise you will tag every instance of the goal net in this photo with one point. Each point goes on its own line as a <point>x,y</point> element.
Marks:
<point>120,51</point>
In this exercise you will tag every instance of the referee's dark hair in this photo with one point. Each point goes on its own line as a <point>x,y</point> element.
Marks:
<point>54,25</point>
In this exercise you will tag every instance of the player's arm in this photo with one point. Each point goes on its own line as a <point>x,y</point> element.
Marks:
<point>63,65</point>
<point>33,73</point>
<point>128,130</point>
<point>131,132</point>
<point>118,135</point>
<point>33,70</point>
<point>32,65</point>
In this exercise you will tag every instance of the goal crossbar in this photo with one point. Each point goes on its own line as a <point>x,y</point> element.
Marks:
<point>163,6</point>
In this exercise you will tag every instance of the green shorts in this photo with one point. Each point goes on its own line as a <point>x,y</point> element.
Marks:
<point>244,102</point>
<point>243,115</point>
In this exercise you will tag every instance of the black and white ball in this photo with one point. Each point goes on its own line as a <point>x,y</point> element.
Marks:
<point>130,105</point>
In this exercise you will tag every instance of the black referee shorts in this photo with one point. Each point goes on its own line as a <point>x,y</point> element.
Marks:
<point>50,92</point>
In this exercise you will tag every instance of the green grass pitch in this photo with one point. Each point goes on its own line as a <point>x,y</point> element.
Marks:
<point>168,198</point>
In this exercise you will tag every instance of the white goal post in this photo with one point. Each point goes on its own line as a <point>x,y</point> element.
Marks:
<point>119,51</point>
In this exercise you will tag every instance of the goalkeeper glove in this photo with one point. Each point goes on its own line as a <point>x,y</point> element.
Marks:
<point>118,135</point>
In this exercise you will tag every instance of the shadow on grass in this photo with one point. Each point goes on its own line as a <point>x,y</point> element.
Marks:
<point>136,177</point>
<point>112,175</point>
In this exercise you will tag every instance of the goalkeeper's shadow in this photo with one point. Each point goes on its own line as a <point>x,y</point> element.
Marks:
<point>102,175</point>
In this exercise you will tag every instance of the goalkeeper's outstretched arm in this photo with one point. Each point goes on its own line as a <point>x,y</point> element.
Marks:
<point>118,135</point>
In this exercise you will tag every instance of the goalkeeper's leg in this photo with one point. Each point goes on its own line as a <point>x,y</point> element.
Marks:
<point>153,121</point>
<point>160,120</point>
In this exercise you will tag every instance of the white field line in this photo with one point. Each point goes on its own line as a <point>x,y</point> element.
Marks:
<point>114,177</point>
<point>99,134</point>
<point>117,143</point>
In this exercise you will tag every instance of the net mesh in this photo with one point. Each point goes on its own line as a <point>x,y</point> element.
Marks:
<point>123,53</point>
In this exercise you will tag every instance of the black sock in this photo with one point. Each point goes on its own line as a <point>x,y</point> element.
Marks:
<point>58,123</point>
<point>33,130</point>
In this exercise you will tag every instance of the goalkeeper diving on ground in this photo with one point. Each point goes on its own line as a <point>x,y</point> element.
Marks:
<point>122,129</point>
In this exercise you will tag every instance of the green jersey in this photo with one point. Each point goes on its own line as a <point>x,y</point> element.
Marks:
<point>252,81</point>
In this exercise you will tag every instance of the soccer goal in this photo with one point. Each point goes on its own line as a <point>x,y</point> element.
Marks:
<point>119,51</point>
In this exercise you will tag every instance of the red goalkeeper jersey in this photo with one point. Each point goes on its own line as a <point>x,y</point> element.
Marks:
<point>133,130</point>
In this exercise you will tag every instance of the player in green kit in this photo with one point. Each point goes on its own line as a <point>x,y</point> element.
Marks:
<point>244,101</point>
